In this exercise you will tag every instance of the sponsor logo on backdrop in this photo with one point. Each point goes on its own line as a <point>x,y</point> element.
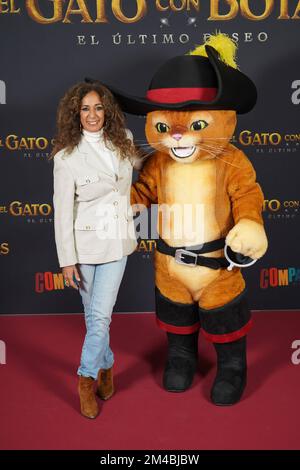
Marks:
<point>32,147</point>
<point>295,358</point>
<point>276,209</point>
<point>296,94</point>
<point>48,281</point>
<point>99,11</point>
<point>279,277</point>
<point>34,213</point>
<point>268,142</point>
<point>2,352</point>
<point>4,248</point>
<point>2,92</point>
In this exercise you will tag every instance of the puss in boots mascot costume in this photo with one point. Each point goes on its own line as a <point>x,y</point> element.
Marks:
<point>191,107</point>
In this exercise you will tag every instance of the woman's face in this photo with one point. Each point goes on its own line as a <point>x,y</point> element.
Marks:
<point>92,112</point>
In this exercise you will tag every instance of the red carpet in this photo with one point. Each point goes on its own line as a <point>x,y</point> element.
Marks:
<point>39,404</point>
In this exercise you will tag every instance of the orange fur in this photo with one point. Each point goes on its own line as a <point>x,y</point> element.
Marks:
<point>215,175</point>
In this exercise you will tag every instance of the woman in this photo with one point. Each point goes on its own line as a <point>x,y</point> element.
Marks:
<point>94,231</point>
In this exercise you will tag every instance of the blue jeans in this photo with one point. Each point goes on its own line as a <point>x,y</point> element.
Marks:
<point>99,288</point>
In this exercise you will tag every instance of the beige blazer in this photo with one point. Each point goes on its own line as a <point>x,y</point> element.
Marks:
<point>93,221</point>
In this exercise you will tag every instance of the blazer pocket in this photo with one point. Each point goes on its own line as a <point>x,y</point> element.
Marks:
<point>90,226</point>
<point>87,179</point>
<point>87,239</point>
<point>79,225</point>
<point>89,187</point>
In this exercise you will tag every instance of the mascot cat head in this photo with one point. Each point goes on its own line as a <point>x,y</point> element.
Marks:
<point>187,136</point>
<point>192,101</point>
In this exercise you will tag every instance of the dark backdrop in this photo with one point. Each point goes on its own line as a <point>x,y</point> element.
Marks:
<point>40,61</point>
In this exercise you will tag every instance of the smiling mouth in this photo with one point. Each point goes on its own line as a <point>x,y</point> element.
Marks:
<point>183,152</point>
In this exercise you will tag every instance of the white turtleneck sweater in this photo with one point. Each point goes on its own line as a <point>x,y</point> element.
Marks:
<point>96,140</point>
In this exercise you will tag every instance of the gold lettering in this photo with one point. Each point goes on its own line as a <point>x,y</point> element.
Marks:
<point>179,5</point>
<point>214,10</point>
<point>143,245</point>
<point>275,138</point>
<point>13,8</point>
<point>152,245</point>
<point>247,140</point>
<point>177,8</point>
<point>36,14</point>
<point>10,6</point>
<point>297,11</point>
<point>23,144</point>
<point>256,139</point>
<point>81,10</point>
<point>27,209</point>
<point>160,7</point>
<point>117,11</point>
<point>4,3</point>
<point>41,143</point>
<point>195,4</point>
<point>101,17</point>
<point>284,10</point>
<point>11,142</point>
<point>15,208</point>
<point>44,209</point>
<point>4,248</point>
<point>247,13</point>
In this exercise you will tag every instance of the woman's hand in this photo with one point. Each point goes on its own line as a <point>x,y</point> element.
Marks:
<point>68,273</point>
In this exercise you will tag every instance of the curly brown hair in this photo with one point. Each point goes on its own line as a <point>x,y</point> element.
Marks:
<point>68,123</point>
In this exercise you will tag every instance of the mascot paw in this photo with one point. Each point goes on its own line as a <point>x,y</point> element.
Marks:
<point>248,238</point>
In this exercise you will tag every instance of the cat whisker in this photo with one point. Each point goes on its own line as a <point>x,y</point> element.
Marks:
<point>228,163</point>
<point>206,150</point>
<point>216,155</point>
<point>218,138</point>
<point>216,149</point>
<point>213,148</point>
<point>147,154</point>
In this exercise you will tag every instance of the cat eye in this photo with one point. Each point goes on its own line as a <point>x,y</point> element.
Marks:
<point>199,125</point>
<point>162,127</point>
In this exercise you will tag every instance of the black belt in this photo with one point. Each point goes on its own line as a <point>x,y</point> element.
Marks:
<point>191,256</point>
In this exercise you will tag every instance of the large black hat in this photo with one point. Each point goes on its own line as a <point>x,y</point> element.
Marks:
<point>191,82</point>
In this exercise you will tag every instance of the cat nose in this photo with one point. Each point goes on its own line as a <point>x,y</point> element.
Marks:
<point>177,136</point>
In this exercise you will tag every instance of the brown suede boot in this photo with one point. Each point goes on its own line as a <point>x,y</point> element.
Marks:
<point>105,384</point>
<point>88,404</point>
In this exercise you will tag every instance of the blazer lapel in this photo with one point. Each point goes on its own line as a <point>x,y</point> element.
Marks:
<point>95,160</point>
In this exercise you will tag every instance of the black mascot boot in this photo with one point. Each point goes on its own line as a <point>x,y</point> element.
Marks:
<point>231,377</point>
<point>181,322</point>
<point>227,327</point>
<point>181,363</point>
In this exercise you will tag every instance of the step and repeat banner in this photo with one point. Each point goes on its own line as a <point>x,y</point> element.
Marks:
<point>47,46</point>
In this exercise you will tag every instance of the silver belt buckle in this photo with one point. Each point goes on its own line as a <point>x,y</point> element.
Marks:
<point>179,253</point>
